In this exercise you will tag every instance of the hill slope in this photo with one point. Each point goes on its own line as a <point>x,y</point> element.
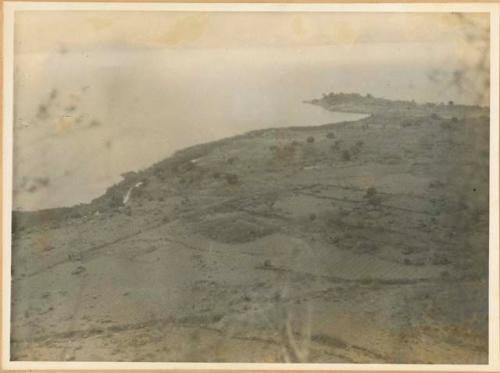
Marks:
<point>357,242</point>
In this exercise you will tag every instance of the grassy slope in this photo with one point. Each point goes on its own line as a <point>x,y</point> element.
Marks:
<point>356,242</point>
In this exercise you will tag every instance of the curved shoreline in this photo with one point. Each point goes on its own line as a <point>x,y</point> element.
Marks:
<point>195,148</point>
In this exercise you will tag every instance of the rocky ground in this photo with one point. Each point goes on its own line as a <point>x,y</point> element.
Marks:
<point>359,242</point>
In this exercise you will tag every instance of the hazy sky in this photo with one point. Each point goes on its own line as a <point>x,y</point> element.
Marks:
<point>44,31</point>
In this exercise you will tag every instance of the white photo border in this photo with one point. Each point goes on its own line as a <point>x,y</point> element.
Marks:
<point>9,9</point>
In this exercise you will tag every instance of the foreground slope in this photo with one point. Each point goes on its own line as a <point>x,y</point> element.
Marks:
<point>356,242</point>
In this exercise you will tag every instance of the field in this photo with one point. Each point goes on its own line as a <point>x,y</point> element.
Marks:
<point>358,242</point>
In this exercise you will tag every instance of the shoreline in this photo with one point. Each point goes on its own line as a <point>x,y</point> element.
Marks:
<point>203,145</point>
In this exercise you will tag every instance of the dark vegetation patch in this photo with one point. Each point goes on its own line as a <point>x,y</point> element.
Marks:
<point>233,228</point>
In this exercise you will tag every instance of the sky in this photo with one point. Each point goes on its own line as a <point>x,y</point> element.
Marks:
<point>36,31</point>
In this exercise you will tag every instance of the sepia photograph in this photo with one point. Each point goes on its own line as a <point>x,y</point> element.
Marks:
<point>273,184</point>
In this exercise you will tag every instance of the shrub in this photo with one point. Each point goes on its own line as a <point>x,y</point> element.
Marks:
<point>370,192</point>
<point>232,179</point>
<point>372,196</point>
<point>310,139</point>
<point>231,160</point>
<point>115,200</point>
<point>366,247</point>
<point>330,135</point>
<point>336,145</point>
<point>284,153</point>
<point>346,156</point>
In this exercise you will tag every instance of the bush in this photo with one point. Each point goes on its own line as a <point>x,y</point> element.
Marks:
<point>284,153</point>
<point>370,192</point>
<point>116,200</point>
<point>372,196</point>
<point>310,139</point>
<point>346,156</point>
<point>330,135</point>
<point>366,247</point>
<point>232,179</point>
<point>336,145</point>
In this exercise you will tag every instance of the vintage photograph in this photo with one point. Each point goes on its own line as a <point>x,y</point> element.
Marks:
<point>250,186</point>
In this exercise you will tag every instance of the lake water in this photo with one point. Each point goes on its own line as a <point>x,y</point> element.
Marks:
<point>83,118</point>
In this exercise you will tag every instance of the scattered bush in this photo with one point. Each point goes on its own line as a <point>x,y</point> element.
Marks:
<point>366,247</point>
<point>355,150</point>
<point>232,179</point>
<point>284,153</point>
<point>440,260</point>
<point>115,200</point>
<point>407,123</point>
<point>336,145</point>
<point>444,274</point>
<point>372,196</point>
<point>370,192</point>
<point>346,156</point>
<point>78,270</point>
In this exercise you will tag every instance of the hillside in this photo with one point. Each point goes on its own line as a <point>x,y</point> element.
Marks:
<point>361,242</point>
